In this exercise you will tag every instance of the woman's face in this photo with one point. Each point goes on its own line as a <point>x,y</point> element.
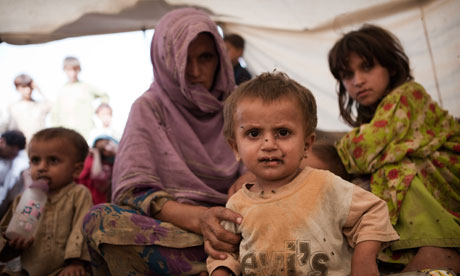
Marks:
<point>202,61</point>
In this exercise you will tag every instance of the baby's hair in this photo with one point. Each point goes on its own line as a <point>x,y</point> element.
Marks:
<point>270,87</point>
<point>371,43</point>
<point>14,138</point>
<point>23,80</point>
<point>327,153</point>
<point>103,105</point>
<point>235,40</point>
<point>73,137</point>
<point>71,62</point>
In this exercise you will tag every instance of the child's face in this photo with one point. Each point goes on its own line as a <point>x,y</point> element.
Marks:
<point>26,92</point>
<point>270,139</point>
<point>365,84</point>
<point>54,161</point>
<point>107,148</point>
<point>233,52</point>
<point>105,115</point>
<point>72,73</point>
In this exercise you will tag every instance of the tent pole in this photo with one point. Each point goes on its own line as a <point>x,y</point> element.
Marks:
<point>430,51</point>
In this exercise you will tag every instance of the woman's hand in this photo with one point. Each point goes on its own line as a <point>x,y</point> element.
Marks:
<point>216,239</point>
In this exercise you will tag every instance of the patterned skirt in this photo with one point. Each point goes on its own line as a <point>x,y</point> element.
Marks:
<point>123,241</point>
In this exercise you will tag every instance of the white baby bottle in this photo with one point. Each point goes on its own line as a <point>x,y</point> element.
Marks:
<point>29,211</point>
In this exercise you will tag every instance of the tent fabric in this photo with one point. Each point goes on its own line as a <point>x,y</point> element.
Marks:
<point>293,36</point>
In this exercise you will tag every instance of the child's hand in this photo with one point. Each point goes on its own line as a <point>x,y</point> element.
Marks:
<point>74,268</point>
<point>20,243</point>
<point>221,271</point>
<point>364,261</point>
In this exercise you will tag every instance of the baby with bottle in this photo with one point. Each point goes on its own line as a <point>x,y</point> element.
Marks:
<point>44,223</point>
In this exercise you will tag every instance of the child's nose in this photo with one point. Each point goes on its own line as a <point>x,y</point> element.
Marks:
<point>269,142</point>
<point>358,79</point>
<point>42,166</point>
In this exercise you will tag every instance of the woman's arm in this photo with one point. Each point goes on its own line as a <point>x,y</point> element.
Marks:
<point>204,221</point>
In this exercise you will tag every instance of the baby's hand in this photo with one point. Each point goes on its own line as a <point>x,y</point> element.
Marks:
<point>74,268</point>
<point>20,243</point>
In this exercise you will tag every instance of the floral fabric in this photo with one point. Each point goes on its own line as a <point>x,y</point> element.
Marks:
<point>153,247</point>
<point>410,139</point>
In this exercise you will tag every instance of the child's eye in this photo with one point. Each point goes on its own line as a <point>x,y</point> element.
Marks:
<point>54,160</point>
<point>34,160</point>
<point>283,132</point>
<point>253,133</point>
<point>367,67</point>
<point>346,75</point>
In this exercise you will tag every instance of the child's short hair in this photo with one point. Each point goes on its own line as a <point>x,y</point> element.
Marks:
<point>370,43</point>
<point>71,62</point>
<point>103,105</point>
<point>23,80</point>
<point>235,40</point>
<point>75,138</point>
<point>14,138</point>
<point>327,153</point>
<point>270,87</point>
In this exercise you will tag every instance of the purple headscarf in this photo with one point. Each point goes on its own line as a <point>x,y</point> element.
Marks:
<point>173,138</point>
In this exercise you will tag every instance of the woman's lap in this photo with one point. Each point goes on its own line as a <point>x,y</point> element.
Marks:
<point>129,243</point>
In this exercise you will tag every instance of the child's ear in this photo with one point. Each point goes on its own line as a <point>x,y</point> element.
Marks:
<point>77,169</point>
<point>309,140</point>
<point>234,147</point>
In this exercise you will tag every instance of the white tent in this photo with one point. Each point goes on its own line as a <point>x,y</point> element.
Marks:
<point>291,35</point>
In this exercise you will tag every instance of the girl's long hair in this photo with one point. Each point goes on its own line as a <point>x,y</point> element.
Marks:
<point>371,43</point>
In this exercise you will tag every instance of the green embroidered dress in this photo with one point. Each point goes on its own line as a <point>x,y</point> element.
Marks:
<point>411,148</point>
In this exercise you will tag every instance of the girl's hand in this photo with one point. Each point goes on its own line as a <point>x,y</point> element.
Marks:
<point>216,239</point>
<point>20,243</point>
<point>74,268</point>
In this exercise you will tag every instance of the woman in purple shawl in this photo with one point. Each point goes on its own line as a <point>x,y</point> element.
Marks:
<point>173,164</point>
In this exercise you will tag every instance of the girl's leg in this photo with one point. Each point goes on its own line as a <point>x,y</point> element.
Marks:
<point>434,258</point>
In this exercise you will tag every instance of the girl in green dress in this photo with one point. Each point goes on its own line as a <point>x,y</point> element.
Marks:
<point>406,142</point>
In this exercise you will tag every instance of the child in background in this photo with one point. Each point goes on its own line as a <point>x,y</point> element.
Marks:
<point>104,114</point>
<point>28,115</point>
<point>97,170</point>
<point>56,155</point>
<point>295,221</point>
<point>74,107</point>
<point>235,48</point>
<point>407,143</point>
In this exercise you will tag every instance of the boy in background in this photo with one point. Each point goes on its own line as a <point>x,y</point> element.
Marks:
<point>27,114</point>
<point>56,155</point>
<point>74,107</point>
<point>235,49</point>
<point>295,221</point>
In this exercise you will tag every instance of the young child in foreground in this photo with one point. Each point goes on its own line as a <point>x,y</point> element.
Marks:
<point>56,155</point>
<point>295,221</point>
<point>406,142</point>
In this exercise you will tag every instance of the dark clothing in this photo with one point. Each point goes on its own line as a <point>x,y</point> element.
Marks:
<point>241,74</point>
